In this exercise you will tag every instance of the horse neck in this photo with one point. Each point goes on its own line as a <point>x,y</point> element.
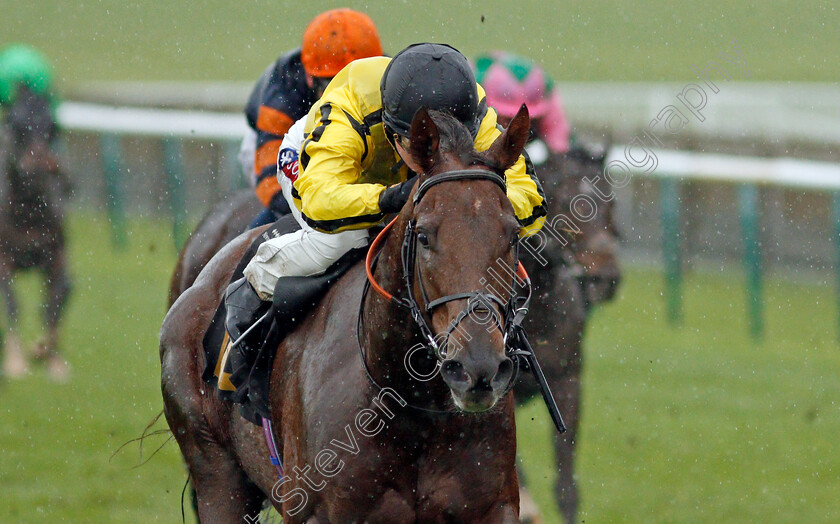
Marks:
<point>390,331</point>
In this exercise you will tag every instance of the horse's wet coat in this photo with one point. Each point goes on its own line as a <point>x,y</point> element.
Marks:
<point>419,467</point>
<point>563,288</point>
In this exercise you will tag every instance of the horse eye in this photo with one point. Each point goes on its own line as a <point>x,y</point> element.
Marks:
<point>423,239</point>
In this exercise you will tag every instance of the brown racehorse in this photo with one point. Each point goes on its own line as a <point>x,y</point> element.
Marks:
<point>32,194</point>
<point>575,277</point>
<point>404,454</point>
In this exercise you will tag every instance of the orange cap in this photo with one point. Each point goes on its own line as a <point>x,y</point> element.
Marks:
<point>335,38</point>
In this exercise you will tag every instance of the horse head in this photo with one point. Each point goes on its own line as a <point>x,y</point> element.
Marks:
<point>31,129</point>
<point>579,191</point>
<point>34,168</point>
<point>465,232</point>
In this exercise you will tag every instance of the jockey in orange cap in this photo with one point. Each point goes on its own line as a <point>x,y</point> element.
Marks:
<point>288,89</point>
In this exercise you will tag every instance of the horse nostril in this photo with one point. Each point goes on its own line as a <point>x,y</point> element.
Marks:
<point>612,286</point>
<point>453,373</point>
<point>503,375</point>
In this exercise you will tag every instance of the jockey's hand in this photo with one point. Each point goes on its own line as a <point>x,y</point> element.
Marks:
<point>394,197</point>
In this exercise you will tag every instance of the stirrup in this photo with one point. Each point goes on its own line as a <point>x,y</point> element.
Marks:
<point>245,312</point>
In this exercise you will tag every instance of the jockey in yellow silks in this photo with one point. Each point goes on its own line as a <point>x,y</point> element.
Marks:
<point>350,173</point>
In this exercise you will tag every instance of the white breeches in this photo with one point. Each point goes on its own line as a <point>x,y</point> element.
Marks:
<point>303,253</point>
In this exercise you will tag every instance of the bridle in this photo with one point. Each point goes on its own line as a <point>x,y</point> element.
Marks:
<point>513,310</point>
<point>476,300</point>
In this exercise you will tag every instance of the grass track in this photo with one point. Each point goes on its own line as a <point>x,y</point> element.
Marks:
<point>597,40</point>
<point>696,424</point>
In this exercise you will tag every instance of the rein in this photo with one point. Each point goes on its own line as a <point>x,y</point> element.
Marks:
<point>513,310</point>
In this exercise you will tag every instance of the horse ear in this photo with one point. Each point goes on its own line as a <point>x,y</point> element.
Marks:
<point>425,139</point>
<point>506,149</point>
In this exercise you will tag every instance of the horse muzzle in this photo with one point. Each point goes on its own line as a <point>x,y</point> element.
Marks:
<point>477,385</point>
<point>598,289</point>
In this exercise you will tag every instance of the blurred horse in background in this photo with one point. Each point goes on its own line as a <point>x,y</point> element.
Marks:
<point>224,222</point>
<point>33,190</point>
<point>575,270</point>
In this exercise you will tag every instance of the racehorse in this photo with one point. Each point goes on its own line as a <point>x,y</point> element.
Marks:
<point>32,192</point>
<point>575,277</point>
<point>595,249</point>
<point>436,458</point>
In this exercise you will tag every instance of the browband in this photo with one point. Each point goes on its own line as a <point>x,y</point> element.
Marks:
<point>461,174</point>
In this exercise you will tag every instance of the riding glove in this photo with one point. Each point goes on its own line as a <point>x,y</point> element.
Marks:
<point>394,197</point>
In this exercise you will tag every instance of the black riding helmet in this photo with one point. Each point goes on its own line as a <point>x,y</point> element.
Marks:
<point>436,76</point>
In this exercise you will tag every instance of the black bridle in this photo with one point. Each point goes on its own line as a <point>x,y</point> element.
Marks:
<point>508,320</point>
<point>476,300</point>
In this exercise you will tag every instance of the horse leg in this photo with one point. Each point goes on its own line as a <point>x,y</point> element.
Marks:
<point>567,391</point>
<point>529,512</point>
<point>223,491</point>
<point>57,285</point>
<point>14,365</point>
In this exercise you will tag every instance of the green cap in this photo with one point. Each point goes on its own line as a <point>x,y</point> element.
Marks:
<point>22,64</point>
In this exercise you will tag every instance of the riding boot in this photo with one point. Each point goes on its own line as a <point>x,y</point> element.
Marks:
<point>244,309</point>
<point>294,298</point>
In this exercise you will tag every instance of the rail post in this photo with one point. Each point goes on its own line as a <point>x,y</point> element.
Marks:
<point>748,201</point>
<point>111,151</point>
<point>174,165</point>
<point>669,190</point>
<point>836,206</point>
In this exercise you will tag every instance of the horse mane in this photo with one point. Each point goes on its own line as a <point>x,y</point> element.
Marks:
<point>456,140</point>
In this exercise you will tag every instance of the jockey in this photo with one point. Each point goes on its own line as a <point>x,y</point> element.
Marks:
<point>21,64</point>
<point>510,81</point>
<point>289,87</point>
<point>354,165</point>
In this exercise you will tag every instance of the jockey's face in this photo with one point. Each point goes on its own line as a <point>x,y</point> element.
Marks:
<point>403,146</point>
<point>318,84</point>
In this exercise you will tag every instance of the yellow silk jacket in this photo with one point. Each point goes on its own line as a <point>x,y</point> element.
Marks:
<point>346,161</point>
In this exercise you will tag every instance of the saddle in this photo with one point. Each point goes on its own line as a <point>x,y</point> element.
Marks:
<point>241,374</point>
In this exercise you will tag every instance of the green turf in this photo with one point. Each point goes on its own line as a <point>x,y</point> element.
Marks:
<point>697,424</point>
<point>57,440</point>
<point>596,40</point>
<point>701,424</point>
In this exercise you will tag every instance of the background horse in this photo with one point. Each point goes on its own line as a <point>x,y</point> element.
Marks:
<point>224,222</point>
<point>421,466</point>
<point>569,279</point>
<point>32,194</point>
